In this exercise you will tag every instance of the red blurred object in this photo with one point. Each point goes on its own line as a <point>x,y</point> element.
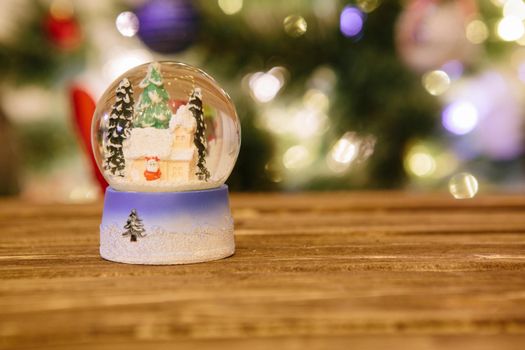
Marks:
<point>64,32</point>
<point>83,108</point>
<point>175,104</point>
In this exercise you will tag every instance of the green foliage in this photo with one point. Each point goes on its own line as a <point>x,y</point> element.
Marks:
<point>118,128</point>
<point>44,143</point>
<point>31,57</point>
<point>152,109</point>
<point>199,139</point>
<point>374,92</point>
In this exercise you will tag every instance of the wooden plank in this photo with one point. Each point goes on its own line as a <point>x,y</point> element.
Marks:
<point>421,271</point>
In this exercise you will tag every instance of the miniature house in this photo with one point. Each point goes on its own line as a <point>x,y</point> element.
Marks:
<point>170,155</point>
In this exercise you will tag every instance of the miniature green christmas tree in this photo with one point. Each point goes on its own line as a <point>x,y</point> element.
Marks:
<point>199,139</point>
<point>134,226</point>
<point>118,128</point>
<point>152,109</point>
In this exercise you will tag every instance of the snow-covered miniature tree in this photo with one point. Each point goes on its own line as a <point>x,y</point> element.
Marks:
<point>134,226</point>
<point>152,108</point>
<point>119,124</point>
<point>199,139</point>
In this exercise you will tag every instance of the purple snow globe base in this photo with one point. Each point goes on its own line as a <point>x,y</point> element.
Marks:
<point>161,228</point>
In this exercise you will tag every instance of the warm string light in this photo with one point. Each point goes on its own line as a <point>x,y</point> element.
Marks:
<point>429,162</point>
<point>297,157</point>
<point>514,8</point>
<point>419,161</point>
<point>300,120</point>
<point>349,149</point>
<point>295,25</point>
<point>264,86</point>
<point>510,28</point>
<point>476,31</point>
<point>463,186</point>
<point>230,7</point>
<point>436,82</point>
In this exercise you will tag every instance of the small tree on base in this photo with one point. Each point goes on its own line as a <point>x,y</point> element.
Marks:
<point>118,128</point>
<point>195,104</point>
<point>134,226</point>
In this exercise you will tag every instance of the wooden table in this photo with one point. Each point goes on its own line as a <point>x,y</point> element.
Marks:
<point>335,270</point>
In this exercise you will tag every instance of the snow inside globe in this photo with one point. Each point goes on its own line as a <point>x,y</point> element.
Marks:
<point>166,137</point>
<point>165,127</point>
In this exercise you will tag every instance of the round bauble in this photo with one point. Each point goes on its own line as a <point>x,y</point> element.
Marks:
<point>168,26</point>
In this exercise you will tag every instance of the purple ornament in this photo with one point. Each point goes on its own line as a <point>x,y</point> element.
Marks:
<point>168,26</point>
<point>351,21</point>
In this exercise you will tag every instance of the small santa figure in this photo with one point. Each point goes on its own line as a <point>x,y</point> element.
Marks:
<point>152,171</point>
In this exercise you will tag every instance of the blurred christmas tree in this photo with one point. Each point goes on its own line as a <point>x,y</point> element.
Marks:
<point>306,84</point>
<point>331,94</point>
<point>39,44</point>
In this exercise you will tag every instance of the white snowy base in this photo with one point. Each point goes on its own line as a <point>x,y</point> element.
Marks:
<point>163,248</point>
<point>124,184</point>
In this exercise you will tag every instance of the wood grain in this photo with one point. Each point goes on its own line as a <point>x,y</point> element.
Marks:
<point>334,270</point>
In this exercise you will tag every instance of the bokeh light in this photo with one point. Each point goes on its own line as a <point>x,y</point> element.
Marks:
<point>510,28</point>
<point>429,160</point>
<point>344,151</point>
<point>127,24</point>
<point>230,7</point>
<point>514,8</point>
<point>477,31</point>
<point>281,73</point>
<point>316,99</point>
<point>295,25</point>
<point>307,122</point>
<point>296,157</point>
<point>421,164</point>
<point>436,82</point>
<point>351,21</point>
<point>264,86</point>
<point>460,117</point>
<point>368,5</point>
<point>350,148</point>
<point>463,186</point>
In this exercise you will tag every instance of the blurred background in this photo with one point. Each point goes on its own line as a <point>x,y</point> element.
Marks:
<point>332,95</point>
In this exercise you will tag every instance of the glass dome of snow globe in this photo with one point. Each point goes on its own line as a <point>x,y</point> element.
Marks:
<point>164,127</point>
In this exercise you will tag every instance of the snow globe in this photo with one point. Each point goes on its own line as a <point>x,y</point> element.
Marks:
<point>166,137</point>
